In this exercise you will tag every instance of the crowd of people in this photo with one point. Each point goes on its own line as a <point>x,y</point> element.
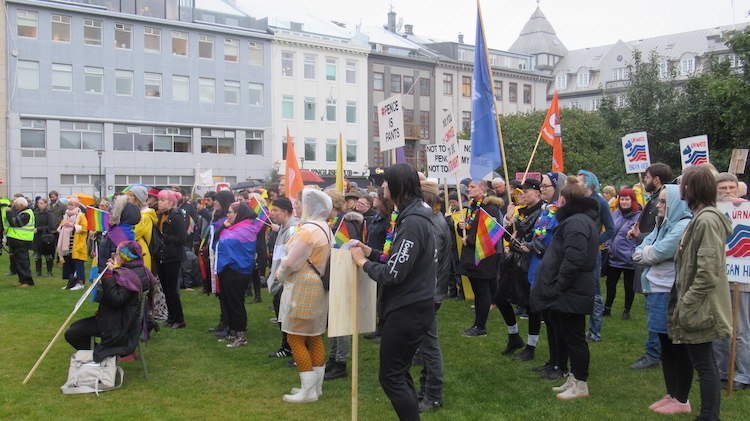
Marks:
<point>664,239</point>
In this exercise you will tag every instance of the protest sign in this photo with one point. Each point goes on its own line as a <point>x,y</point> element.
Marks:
<point>738,244</point>
<point>693,151</point>
<point>636,153</point>
<point>391,123</point>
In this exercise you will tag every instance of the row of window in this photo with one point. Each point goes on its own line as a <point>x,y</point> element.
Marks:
<point>497,89</point>
<point>331,148</point>
<point>89,136</point>
<point>595,103</point>
<point>687,67</point>
<point>378,83</point>
<point>28,23</point>
<point>93,83</point>
<point>311,109</point>
<point>310,67</point>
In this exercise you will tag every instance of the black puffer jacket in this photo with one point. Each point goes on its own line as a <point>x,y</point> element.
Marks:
<point>487,268</point>
<point>174,233</point>
<point>565,279</point>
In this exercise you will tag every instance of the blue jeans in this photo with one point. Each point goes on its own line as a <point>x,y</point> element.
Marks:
<point>656,322</point>
<point>595,323</point>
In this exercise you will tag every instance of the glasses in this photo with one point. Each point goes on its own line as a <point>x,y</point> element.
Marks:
<point>544,186</point>
<point>363,203</point>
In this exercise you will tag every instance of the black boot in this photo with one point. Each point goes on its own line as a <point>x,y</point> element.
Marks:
<point>526,355</point>
<point>50,262</point>
<point>607,311</point>
<point>71,281</point>
<point>338,372</point>
<point>514,342</point>
<point>38,266</point>
<point>330,363</point>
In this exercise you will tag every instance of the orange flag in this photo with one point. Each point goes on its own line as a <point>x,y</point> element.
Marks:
<point>294,183</point>
<point>552,135</point>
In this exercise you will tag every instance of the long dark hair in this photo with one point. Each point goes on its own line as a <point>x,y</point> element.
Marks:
<point>403,184</point>
<point>386,206</point>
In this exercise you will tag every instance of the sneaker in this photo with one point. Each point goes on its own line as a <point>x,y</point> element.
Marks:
<point>273,320</point>
<point>661,402</point>
<point>607,311</point>
<point>565,386</point>
<point>736,386</point>
<point>77,287</point>
<point>281,353</point>
<point>645,362</point>
<point>543,368</point>
<point>475,331</point>
<point>526,355</point>
<point>291,364</point>
<point>239,340</point>
<point>64,287</point>
<point>429,405</point>
<point>625,315</point>
<point>553,374</point>
<point>674,407</point>
<point>229,338</point>
<point>578,389</point>
<point>590,339</point>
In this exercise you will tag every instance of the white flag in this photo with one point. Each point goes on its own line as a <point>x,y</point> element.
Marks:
<point>204,178</point>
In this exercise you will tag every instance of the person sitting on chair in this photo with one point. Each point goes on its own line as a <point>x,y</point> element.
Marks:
<point>118,322</point>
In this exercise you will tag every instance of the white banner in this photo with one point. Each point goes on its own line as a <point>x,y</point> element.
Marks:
<point>693,151</point>
<point>204,177</point>
<point>391,123</point>
<point>464,153</point>
<point>738,244</point>
<point>450,141</point>
<point>635,152</point>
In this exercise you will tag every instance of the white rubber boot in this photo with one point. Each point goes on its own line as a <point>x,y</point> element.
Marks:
<point>321,372</point>
<point>568,383</point>
<point>579,389</point>
<point>308,393</point>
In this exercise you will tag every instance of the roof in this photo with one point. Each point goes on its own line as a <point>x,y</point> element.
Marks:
<point>283,19</point>
<point>698,42</point>
<point>217,6</point>
<point>538,36</point>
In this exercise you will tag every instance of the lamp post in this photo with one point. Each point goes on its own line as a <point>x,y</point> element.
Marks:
<point>100,152</point>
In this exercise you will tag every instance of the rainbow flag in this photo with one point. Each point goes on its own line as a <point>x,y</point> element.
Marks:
<point>489,232</point>
<point>342,235</point>
<point>97,219</point>
<point>259,209</point>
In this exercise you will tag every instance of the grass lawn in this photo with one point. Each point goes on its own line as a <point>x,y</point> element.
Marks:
<point>193,377</point>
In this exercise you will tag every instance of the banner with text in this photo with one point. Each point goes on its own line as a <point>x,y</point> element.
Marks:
<point>693,151</point>
<point>738,244</point>
<point>391,123</point>
<point>636,153</point>
<point>464,152</point>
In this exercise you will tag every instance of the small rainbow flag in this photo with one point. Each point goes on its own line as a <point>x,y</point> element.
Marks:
<point>342,235</point>
<point>259,209</point>
<point>489,232</point>
<point>97,219</point>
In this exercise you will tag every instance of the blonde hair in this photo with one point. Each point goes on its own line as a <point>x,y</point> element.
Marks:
<point>339,202</point>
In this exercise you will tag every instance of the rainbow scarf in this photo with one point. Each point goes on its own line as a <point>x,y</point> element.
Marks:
<point>342,235</point>
<point>98,220</point>
<point>489,232</point>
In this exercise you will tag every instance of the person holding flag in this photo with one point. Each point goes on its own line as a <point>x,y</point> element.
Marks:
<point>258,204</point>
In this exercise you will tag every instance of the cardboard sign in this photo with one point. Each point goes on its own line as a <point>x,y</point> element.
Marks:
<point>636,153</point>
<point>738,244</point>
<point>693,151</point>
<point>221,186</point>
<point>391,123</point>
<point>464,152</point>
<point>450,141</point>
<point>534,175</point>
<point>736,165</point>
<point>343,273</point>
<point>438,165</point>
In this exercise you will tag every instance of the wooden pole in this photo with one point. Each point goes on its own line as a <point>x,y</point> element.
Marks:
<point>525,173</point>
<point>65,324</point>
<point>355,343</point>
<point>733,347</point>
<point>445,194</point>
<point>643,187</point>
<point>460,204</point>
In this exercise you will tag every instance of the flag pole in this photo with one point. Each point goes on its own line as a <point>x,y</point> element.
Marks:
<point>526,173</point>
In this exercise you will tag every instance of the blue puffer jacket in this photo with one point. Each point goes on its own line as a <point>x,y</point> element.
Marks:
<point>620,248</point>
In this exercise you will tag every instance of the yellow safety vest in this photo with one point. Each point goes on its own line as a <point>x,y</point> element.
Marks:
<point>24,233</point>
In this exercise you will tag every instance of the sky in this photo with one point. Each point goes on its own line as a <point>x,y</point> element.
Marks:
<point>578,23</point>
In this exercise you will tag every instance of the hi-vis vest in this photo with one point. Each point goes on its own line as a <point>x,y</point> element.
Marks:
<point>24,233</point>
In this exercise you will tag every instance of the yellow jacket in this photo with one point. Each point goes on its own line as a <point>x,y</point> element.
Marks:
<point>143,232</point>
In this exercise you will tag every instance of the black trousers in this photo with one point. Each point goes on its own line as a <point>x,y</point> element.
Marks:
<point>482,300</point>
<point>677,368</point>
<point>19,260</point>
<point>80,332</point>
<point>558,352</point>
<point>570,334</point>
<point>403,330</point>
<point>613,275</point>
<point>168,272</point>
<point>276,307</point>
<point>702,356</point>
<point>233,287</point>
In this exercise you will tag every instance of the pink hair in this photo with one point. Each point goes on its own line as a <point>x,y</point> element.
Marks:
<point>169,196</point>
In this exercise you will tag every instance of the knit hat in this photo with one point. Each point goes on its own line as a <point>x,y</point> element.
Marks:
<point>129,251</point>
<point>283,203</point>
<point>553,178</point>
<point>140,193</point>
<point>429,187</point>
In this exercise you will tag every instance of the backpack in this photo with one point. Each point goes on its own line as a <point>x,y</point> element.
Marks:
<point>87,376</point>
<point>325,277</point>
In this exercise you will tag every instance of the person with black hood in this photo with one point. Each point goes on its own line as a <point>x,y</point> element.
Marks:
<point>565,281</point>
<point>44,236</point>
<point>171,224</point>
<point>407,270</point>
<point>222,201</point>
<point>376,233</point>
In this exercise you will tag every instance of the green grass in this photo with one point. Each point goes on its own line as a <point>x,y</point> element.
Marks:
<point>193,377</point>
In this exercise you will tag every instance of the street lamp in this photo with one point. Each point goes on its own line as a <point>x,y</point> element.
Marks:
<point>100,152</point>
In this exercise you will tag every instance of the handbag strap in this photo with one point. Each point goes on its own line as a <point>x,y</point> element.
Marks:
<point>309,263</point>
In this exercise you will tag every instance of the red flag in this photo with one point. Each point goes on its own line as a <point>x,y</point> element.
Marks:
<point>552,135</point>
<point>294,183</point>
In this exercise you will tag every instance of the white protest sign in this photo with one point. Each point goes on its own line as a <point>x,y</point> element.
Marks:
<point>464,152</point>
<point>738,244</point>
<point>636,153</point>
<point>391,123</point>
<point>437,161</point>
<point>450,142</point>
<point>693,150</point>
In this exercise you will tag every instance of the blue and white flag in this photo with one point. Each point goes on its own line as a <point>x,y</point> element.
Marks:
<point>485,146</point>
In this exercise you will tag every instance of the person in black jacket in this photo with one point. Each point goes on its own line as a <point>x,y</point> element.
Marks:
<point>565,282</point>
<point>44,236</point>
<point>171,224</point>
<point>407,270</point>
<point>376,233</point>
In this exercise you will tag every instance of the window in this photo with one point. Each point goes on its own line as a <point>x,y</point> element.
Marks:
<point>395,83</point>
<point>255,56</point>
<point>62,77</point>
<point>498,88</point>
<point>512,92</point>
<point>527,94</point>
<point>310,108</point>
<point>173,139</point>
<point>28,74</point>
<point>466,86</point>
<point>377,81</point>
<point>687,66</point>
<point>152,85</point>
<point>561,81</point>
<point>80,135</point>
<point>256,93</point>
<point>408,84</point>
<point>123,36</point>
<point>61,28</point>
<point>205,46</point>
<point>28,23</point>
<point>287,107</point>
<point>287,64</point>
<point>231,92</point>
<point>351,71</point>
<point>424,122</point>
<point>310,149</point>
<point>93,80</point>
<point>583,80</point>
<point>206,90</point>
<point>180,88</point>
<point>351,111</point>
<point>620,101</point>
<point>92,32</point>
<point>180,43</point>
<point>33,134</point>
<point>253,142</point>
<point>217,141</point>
<point>595,103</point>
<point>575,104</point>
<point>331,69</point>
<point>447,84</point>
<point>152,139</point>
<point>330,110</point>
<point>351,151</point>
<point>664,70</point>
<point>331,146</point>
<point>408,116</point>
<point>375,129</point>
<point>152,40</point>
<point>466,120</point>
<point>232,50</point>
<point>620,74</point>
<point>310,62</point>
<point>123,82</point>
<point>424,87</point>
